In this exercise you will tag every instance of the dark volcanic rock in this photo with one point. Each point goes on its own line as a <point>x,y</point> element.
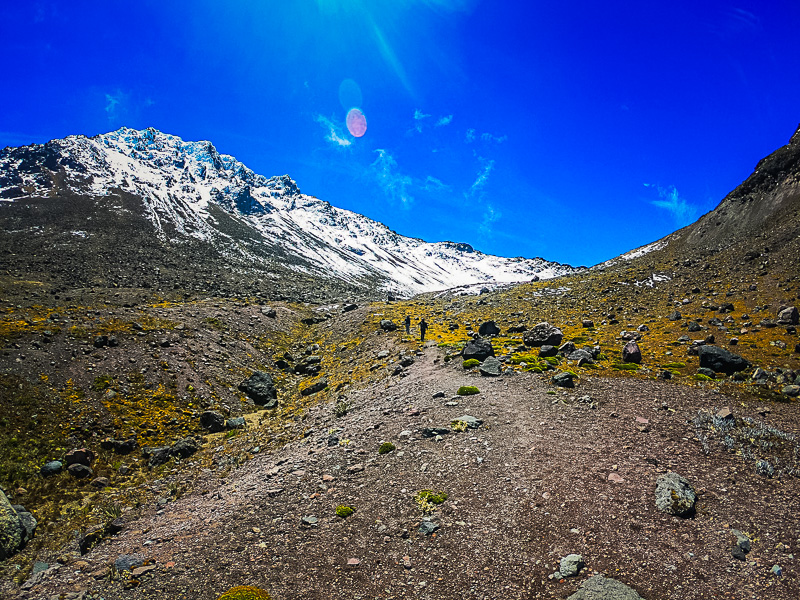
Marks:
<point>546,351</point>
<point>185,447</point>
<point>788,316</point>
<point>213,421</point>
<point>79,456</point>
<point>720,360</point>
<point>563,380</point>
<point>261,389</point>
<point>51,468</point>
<point>631,353</point>
<point>489,328</point>
<point>315,387</point>
<point>479,349</point>
<point>543,334</point>
<point>80,471</point>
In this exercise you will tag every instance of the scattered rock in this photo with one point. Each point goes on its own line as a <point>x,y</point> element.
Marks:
<point>268,311</point>
<point>79,456</point>
<point>793,391</point>
<point>720,360</point>
<point>543,334</point>
<point>490,367</point>
<point>51,468</point>
<point>80,471</point>
<point>587,323</point>
<point>388,325</point>
<point>314,387</point>
<point>472,422</point>
<point>741,545</point>
<point>186,447</point>
<point>631,353</point>
<point>489,328</point>
<point>260,388</point>
<point>567,348</point>
<point>428,527</point>
<point>598,587</point>
<point>12,532</point>
<point>235,423</point>
<point>128,562</point>
<point>789,316</point>
<point>674,316</point>
<point>675,495</point>
<point>349,307</point>
<point>563,380</point>
<point>547,350</point>
<point>694,326</point>
<point>478,348</point>
<point>571,565</point>
<point>100,482</point>
<point>212,421</point>
<point>429,432</point>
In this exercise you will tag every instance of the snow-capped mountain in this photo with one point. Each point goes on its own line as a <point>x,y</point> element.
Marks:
<point>183,185</point>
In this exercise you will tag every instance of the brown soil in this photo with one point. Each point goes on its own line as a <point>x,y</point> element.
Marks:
<point>528,487</point>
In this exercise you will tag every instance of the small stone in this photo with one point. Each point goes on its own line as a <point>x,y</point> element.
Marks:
<point>428,527</point>
<point>615,478</point>
<point>571,565</point>
<point>353,562</point>
<point>675,495</point>
<point>776,570</point>
<point>407,562</point>
<point>128,562</point>
<point>356,468</point>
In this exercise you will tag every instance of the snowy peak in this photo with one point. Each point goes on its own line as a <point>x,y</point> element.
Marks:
<point>184,185</point>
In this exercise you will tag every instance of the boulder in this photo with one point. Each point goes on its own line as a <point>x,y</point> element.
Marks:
<point>720,360</point>
<point>604,588</point>
<point>478,348</point>
<point>587,323</point>
<point>156,456</point>
<point>388,325</point>
<point>567,348</point>
<point>788,316</point>
<point>51,468</point>
<point>315,387</point>
<point>694,326</point>
<point>631,353</point>
<point>260,388</point>
<point>563,380</point>
<point>185,448</point>
<point>80,471</point>
<point>12,532</point>
<point>675,495</point>
<point>581,355</point>
<point>547,351</point>
<point>79,456</point>
<point>489,328</point>
<point>674,316</point>
<point>490,367</point>
<point>543,334</point>
<point>212,421</point>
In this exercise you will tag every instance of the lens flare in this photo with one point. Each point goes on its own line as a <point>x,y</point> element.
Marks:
<point>356,122</point>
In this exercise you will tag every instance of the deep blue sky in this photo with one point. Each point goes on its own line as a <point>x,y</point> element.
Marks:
<point>574,131</point>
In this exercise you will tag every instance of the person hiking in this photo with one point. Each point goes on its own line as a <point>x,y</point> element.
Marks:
<point>408,324</point>
<point>423,327</point>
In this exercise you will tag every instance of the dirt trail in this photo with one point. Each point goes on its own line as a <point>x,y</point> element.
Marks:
<point>528,487</point>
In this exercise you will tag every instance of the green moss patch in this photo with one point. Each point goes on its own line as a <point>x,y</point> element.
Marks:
<point>467,390</point>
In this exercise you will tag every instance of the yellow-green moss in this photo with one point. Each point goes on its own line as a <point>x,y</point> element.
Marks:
<point>344,511</point>
<point>386,447</point>
<point>245,592</point>
<point>467,390</point>
<point>470,362</point>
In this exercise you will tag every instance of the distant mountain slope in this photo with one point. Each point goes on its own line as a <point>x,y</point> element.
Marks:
<point>193,197</point>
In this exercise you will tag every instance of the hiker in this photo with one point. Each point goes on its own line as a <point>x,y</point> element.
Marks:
<point>408,324</point>
<point>423,327</point>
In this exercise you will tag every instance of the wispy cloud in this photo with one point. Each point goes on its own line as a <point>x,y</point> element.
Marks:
<point>395,184</point>
<point>444,121</point>
<point>116,105</point>
<point>490,215</point>
<point>682,212</point>
<point>419,119</point>
<point>476,189</point>
<point>470,136</point>
<point>434,185</point>
<point>336,135</point>
<point>497,139</point>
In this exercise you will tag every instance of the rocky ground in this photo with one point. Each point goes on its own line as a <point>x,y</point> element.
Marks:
<point>549,472</point>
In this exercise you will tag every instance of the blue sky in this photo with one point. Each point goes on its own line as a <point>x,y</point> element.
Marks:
<point>574,131</point>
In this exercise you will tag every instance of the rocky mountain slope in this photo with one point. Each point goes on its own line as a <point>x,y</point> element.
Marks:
<point>196,486</point>
<point>193,210</point>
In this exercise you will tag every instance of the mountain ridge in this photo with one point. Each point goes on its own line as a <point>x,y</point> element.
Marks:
<point>180,183</point>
